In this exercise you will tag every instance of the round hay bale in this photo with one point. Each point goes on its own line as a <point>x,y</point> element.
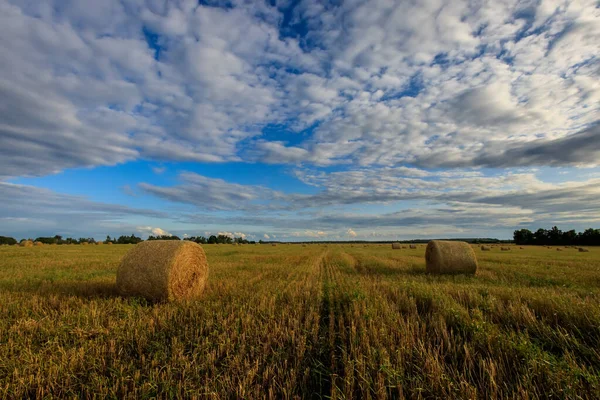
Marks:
<point>38,244</point>
<point>557,249</point>
<point>163,270</point>
<point>396,246</point>
<point>109,242</point>
<point>412,246</point>
<point>84,243</point>
<point>449,257</point>
<point>26,243</point>
<point>99,243</point>
<point>582,250</point>
<point>505,248</point>
<point>485,248</point>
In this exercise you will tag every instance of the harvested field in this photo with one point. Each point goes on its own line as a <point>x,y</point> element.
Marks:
<point>306,322</point>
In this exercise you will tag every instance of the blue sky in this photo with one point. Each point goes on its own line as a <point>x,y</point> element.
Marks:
<point>298,120</point>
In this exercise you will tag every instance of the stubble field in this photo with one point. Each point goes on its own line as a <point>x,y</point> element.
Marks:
<point>287,321</point>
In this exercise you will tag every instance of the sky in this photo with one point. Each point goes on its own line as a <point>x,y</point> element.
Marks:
<point>299,120</point>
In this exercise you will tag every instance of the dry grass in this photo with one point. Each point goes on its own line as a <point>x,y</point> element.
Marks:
<point>303,322</point>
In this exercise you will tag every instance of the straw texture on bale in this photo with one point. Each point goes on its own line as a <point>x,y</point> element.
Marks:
<point>412,246</point>
<point>582,250</point>
<point>163,270</point>
<point>448,257</point>
<point>84,243</point>
<point>505,248</point>
<point>26,243</point>
<point>396,246</point>
<point>99,243</point>
<point>485,248</point>
<point>109,242</point>
<point>38,243</point>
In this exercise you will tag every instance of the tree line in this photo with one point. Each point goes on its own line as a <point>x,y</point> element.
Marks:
<point>557,237</point>
<point>58,239</point>
<point>131,239</point>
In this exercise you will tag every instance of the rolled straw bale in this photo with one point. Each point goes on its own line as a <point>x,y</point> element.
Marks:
<point>582,250</point>
<point>274,244</point>
<point>449,257</point>
<point>521,248</point>
<point>485,248</point>
<point>412,246</point>
<point>99,243</point>
<point>557,249</point>
<point>26,243</point>
<point>396,246</point>
<point>109,242</point>
<point>163,270</point>
<point>38,244</point>
<point>84,243</point>
<point>505,248</point>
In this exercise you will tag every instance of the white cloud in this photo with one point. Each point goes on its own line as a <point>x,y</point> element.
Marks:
<point>383,83</point>
<point>155,231</point>
<point>351,233</point>
<point>266,236</point>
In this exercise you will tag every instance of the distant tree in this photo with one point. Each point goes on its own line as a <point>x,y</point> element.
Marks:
<point>129,239</point>
<point>212,239</point>
<point>197,239</point>
<point>555,237</point>
<point>523,236</point>
<point>163,237</point>
<point>224,239</point>
<point>7,240</point>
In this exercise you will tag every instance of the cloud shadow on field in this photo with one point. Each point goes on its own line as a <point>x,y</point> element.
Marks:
<point>83,289</point>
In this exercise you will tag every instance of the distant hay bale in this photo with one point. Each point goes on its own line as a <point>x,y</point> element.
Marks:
<point>449,257</point>
<point>505,248</point>
<point>109,242</point>
<point>38,244</point>
<point>521,248</point>
<point>582,250</point>
<point>84,243</point>
<point>396,246</point>
<point>413,246</point>
<point>403,247</point>
<point>303,245</point>
<point>274,244</point>
<point>99,243</point>
<point>485,248</point>
<point>26,243</point>
<point>163,270</point>
<point>557,249</point>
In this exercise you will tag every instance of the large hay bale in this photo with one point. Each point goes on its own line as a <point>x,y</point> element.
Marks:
<point>163,270</point>
<point>505,248</point>
<point>26,243</point>
<point>99,243</point>
<point>582,250</point>
<point>38,244</point>
<point>396,246</point>
<point>109,242</point>
<point>84,243</point>
<point>413,246</point>
<point>449,257</point>
<point>485,248</point>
